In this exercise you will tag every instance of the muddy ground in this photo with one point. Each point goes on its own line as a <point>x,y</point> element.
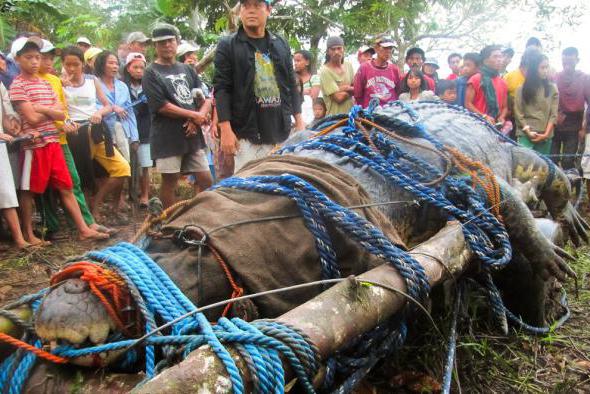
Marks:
<point>486,361</point>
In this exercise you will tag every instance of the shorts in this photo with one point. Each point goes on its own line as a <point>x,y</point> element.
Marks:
<point>249,151</point>
<point>47,168</point>
<point>191,162</point>
<point>7,191</point>
<point>116,165</point>
<point>144,156</point>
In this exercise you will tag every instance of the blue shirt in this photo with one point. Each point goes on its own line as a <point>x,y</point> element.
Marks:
<point>461,89</point>
<point>120,97</point>
<point>12,71</point>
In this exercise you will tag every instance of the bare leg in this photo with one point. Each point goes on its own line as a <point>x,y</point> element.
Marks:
<point>203,181</point>
<point>168,189</point>
<point>144,186</point>
<point>14,227</point>
<point>71,205</point>
<point>111,185</point>
<point>26,206</point>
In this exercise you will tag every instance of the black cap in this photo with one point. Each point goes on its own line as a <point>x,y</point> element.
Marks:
<point>165,31</point>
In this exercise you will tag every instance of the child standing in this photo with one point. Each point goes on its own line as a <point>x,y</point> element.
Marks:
<point>132,76</point>
<point>39,108</point>
<point>8,199</point>
<point>48,53</point>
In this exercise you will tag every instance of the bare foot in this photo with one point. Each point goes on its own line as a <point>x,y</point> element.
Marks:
<point>34,241</point>
<point>103,229</point>
<point>93,235</point>
<point>22,245</point>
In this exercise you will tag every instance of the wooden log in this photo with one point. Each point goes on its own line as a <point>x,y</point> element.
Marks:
<point>331,319</point>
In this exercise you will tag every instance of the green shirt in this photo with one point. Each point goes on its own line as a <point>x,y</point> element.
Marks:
<point>330,82</point>
<point>539,113</point>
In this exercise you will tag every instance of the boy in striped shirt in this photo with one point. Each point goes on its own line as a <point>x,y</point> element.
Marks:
<point>43,160</point>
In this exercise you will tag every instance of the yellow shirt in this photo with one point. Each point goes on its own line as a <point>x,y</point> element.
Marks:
<point>57,87</point>
<point>514,80</point>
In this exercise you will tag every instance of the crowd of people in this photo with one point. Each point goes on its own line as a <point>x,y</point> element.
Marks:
<point>80,131</point>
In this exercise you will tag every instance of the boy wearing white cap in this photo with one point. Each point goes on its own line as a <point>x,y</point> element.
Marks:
<point>39,107</point>
<point>83,43</point>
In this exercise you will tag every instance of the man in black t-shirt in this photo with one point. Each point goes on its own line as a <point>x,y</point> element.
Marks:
<point>255,87</point>
<point>177,143</point>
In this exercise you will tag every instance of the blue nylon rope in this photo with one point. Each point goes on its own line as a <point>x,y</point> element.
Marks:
<point>262,342</point>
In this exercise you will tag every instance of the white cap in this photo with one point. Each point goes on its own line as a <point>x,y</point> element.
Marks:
<point>48,47</point>
<point>134,56</point>
<point>20,43</point>
<point>185,48</point>
<point>83,40</point>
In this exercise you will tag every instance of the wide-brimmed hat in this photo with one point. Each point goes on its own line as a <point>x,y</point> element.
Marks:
<point>91,52</point>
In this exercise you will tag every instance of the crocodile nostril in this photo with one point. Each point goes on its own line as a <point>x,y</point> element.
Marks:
<point>75,286</point>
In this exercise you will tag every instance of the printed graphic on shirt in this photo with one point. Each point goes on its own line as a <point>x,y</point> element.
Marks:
<point>182,90</point>
<point>382,88</point>
<point>266,88</point>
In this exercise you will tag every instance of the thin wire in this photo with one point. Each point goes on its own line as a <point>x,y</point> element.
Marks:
<point>283,290</point>
<point>297,215</point>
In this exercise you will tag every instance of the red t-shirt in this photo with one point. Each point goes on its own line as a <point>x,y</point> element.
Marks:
<point>574,91</point>
<point>372,81</point>
<point>479,100</point>
<point>452,76</point>
<point>36,91</point>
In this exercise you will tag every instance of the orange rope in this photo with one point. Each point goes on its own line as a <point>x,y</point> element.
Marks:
<point>38,352</point>
<point>477,170</point>
<point>109,288</point>
<point>237,291</point>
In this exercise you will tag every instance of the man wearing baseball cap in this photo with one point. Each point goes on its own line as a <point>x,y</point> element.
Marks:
<point>364,54</point>
<point>83,43</point>
<point>255,87</point>
<point>137,42</point>
<point>336,78</point>
<point>430,69</point>
<point>378,78</point>
<point>177,143</point>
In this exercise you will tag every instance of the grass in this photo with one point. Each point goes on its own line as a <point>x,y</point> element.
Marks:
<point>488,362</point>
